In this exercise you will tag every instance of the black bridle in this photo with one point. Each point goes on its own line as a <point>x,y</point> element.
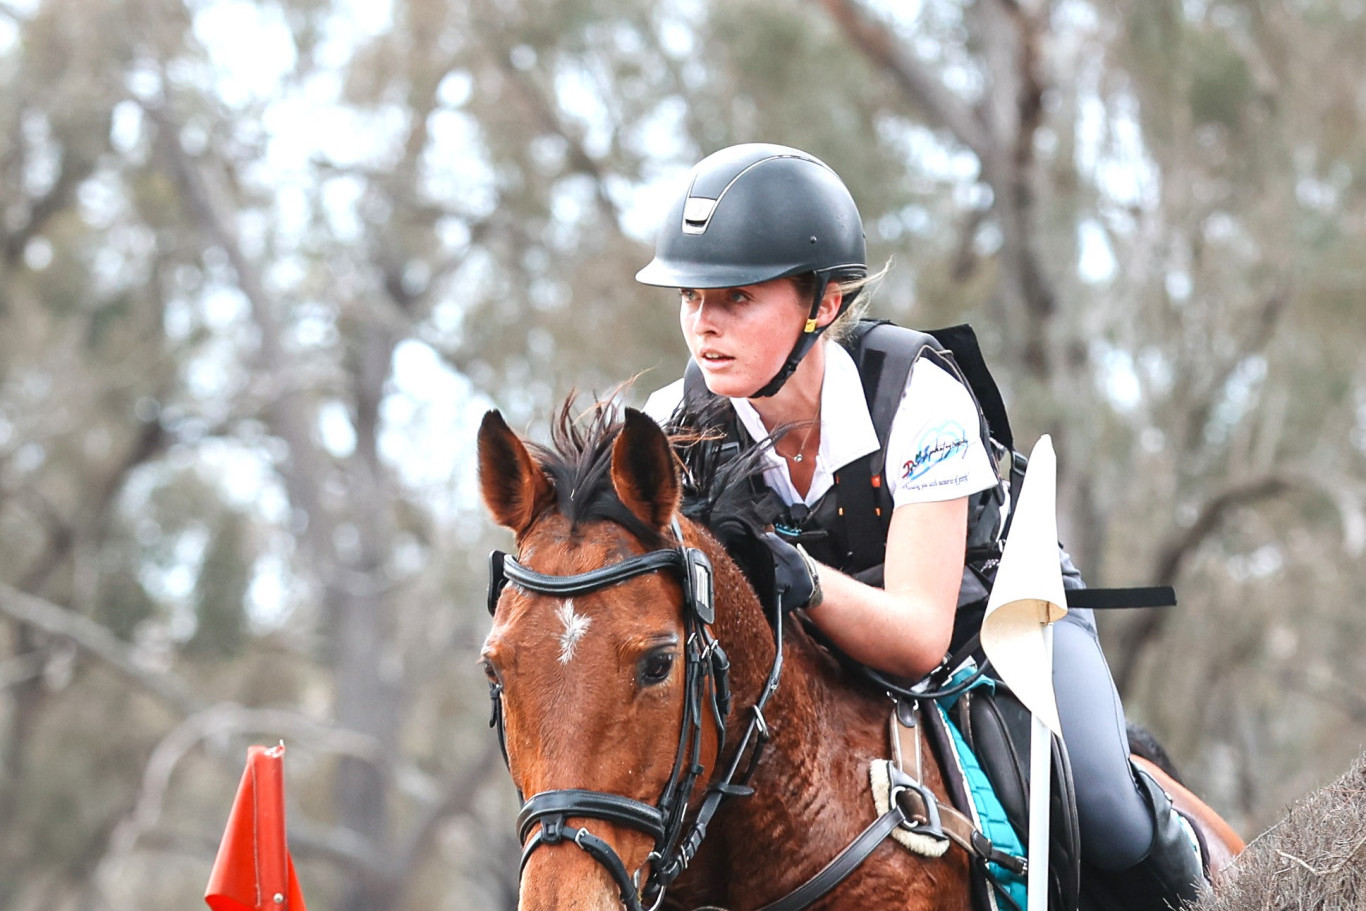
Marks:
<point>542,820</point>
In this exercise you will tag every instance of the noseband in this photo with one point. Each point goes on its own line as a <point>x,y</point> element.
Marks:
<point>542,820</point>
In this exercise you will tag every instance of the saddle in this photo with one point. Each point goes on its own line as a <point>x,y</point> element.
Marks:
<point>980,738</point>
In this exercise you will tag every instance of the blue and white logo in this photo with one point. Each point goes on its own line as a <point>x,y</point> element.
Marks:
<point>936,445</point>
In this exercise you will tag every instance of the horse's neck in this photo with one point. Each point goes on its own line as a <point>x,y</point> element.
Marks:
<point>814,718</point>
<point>808,697</point>
<point>811,787</point>
<point>811,793</point>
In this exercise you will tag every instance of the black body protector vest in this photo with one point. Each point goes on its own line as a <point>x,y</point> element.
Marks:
<point>847,527</point>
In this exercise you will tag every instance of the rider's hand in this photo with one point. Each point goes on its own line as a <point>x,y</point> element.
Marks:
<point>796,581</point>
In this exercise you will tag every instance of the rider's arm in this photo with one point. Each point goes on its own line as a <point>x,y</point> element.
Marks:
<point>935,459</point>
<point>904,629</point>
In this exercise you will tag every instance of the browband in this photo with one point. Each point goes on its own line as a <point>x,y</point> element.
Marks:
<point>693,567</point>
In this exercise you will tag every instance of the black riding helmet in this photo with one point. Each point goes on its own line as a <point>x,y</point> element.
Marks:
<point>756,212</point>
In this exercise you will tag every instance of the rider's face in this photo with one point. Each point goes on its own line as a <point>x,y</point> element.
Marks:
<point>741,336</point>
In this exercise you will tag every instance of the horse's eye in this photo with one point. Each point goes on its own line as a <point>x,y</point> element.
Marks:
<point>490,671</point>
<point>656,667</point>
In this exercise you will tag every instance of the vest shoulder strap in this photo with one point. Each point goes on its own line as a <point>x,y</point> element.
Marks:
<point>693,383</point>
<point>885,353</point>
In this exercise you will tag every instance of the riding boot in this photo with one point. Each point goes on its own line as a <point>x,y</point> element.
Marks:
<point>1172,873</point>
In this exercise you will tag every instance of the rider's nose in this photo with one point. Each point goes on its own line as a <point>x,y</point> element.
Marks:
<point>704,317</point>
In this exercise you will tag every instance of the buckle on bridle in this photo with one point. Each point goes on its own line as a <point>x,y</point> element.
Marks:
<point>930,825</point>
<point>652,860</point>
<point>552,831</point>
<point>497,579</point>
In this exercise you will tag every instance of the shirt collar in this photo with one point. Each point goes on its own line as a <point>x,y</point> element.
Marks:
<point>847,431</point>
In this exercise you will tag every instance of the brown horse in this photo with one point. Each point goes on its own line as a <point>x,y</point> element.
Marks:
<point>612,667</point>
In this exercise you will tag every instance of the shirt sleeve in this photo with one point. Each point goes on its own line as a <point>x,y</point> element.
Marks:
<point>935,450</point>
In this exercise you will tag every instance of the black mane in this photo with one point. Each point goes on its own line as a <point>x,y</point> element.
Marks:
<point>578,462</point>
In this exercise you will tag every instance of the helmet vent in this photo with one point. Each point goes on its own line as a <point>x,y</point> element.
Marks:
<point>697,213</point>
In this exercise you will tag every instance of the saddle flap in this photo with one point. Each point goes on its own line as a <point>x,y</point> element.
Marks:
<point>996,728</point>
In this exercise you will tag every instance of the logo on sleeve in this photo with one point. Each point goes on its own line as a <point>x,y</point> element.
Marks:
<point>936,445</point>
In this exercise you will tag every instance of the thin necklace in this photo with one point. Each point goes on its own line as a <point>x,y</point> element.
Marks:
<point>801,450</point>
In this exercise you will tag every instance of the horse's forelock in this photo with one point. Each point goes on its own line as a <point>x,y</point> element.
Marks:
<point>578,462</point>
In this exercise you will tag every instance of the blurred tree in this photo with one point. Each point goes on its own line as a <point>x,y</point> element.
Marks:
<point>263,264</point>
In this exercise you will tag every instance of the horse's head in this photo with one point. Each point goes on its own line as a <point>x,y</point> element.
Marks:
<point>601,660</point>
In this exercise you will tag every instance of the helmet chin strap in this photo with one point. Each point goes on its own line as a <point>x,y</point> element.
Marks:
<point>805,341</point>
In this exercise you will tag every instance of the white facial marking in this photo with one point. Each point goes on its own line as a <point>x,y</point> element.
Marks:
<point>574,628</point>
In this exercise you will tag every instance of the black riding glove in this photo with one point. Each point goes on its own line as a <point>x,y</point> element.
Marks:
<point>796,583</point>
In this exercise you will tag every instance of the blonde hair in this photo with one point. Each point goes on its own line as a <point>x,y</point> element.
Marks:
<point>862,289</point>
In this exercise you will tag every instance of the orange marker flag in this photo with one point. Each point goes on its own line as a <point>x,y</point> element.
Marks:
<point>253,871</point>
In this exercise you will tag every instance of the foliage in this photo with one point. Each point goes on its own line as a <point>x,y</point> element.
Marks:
<point>262,265</point>
<point>1309,859</point>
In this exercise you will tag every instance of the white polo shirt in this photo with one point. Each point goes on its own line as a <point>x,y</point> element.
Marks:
<point>935,451</point>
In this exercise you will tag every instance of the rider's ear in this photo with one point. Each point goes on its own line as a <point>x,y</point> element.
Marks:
<point>830,304</point>
<point>515,489</point>
<point>643,471</point>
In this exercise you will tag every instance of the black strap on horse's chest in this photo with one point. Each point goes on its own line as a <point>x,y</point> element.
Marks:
<point>844,863</point>
<point>914,808</point>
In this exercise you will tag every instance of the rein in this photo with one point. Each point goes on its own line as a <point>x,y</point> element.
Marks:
<point>542,820</point>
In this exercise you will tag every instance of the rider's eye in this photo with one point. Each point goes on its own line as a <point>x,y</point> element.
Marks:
<point>655,667</point>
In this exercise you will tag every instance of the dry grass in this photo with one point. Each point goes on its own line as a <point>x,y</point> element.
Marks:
<point>1314,858</point>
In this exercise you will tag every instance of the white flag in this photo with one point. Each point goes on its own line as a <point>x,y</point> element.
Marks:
<point>1028,593</point>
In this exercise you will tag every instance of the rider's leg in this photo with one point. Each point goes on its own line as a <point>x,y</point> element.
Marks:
<point>1127,822</point>
<point>1116,824</point>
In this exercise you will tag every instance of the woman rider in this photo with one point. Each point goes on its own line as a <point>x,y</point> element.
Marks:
<point>767,250</point>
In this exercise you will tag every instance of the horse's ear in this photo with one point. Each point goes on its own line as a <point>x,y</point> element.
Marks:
<point>643,471</point>
<point>515,489</point>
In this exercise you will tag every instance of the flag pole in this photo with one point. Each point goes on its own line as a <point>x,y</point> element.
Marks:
<point>1017,637</point>
<point>1040,778</point>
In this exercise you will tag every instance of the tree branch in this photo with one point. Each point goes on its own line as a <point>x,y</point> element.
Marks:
<point>72,172</point>
<point>220,722</point>
<point>98,642</point>
<point>1000,132</point>
<point>458,799</point>
<point>286,413</point>
<point>918,84</point>
<point>548,115</point>
<point>1171,558</point>
<point>1264,325</point>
